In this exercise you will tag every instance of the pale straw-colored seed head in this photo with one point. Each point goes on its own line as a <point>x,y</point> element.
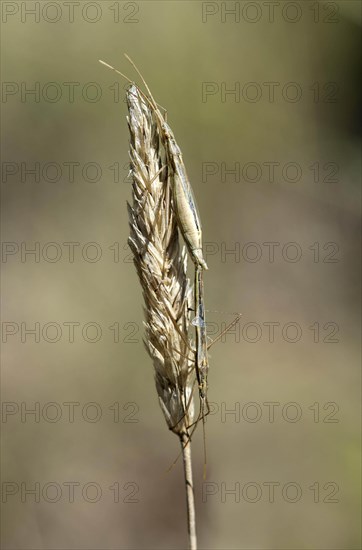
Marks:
<point>161,266</point>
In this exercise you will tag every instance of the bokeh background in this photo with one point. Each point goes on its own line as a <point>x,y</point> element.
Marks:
<point>103,374</point>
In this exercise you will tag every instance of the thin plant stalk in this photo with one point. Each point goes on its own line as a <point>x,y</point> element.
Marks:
<point>190,498</point>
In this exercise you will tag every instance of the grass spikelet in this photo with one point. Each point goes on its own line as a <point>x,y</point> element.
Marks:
<point>161,266</point>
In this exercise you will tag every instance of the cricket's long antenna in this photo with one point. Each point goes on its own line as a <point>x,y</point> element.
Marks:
<point>116,71</point>
<point>141,77</point>
<point>145,97</point>
<point>150,100</point>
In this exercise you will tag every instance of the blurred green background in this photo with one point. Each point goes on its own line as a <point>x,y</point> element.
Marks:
<point>180,46</point>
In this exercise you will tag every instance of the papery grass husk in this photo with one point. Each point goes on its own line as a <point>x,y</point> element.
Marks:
<point>161,265</point>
